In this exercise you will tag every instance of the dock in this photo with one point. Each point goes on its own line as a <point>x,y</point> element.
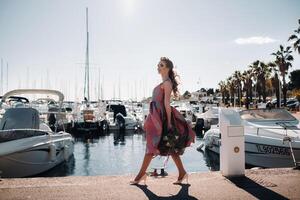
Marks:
<point>256,184</point>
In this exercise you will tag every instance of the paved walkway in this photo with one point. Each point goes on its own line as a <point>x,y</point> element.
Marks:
<point>257,184</point>
<point>297,115</point>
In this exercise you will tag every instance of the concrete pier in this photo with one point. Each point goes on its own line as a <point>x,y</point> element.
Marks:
<point>256,184</point>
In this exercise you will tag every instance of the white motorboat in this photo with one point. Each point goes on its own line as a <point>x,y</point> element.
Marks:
<point>185,109</point>
<point>115,108</point>
<point>272,138</point>
<point>53,113</point>
<point>89,118</point>
<point>208,118</point>
<point>27,144</point>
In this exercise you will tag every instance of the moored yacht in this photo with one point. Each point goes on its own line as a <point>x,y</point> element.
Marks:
<point>115,108</point>
<point>272,138</point>
<point>27,144</point>
<point>207,119</point>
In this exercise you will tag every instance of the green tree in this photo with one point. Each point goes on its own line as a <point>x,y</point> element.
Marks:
<point>295,38</point>
<point>187,95</point>
<point>223,90</point>
<point>237,79</point>
<point>230,84</point>
<point>295,79</point>
<point>247,83</point>
<point>265,74</point>
<point>275,81</point>
<point>210,91</point>
<point>261,72</point>
<point>284,62</point>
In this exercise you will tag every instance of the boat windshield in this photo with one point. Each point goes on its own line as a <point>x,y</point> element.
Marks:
<point>267,115</point>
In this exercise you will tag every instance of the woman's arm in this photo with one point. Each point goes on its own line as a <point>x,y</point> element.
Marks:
<point>167,85</point>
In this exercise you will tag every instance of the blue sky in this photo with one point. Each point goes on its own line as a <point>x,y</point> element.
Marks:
<point>44,41</point>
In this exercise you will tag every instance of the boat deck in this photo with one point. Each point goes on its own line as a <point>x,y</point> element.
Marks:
<point>257,184</point>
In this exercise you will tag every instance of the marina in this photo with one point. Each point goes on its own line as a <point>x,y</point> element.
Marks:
<point>98,143</point>
<point>139,100</point>
<point>257,184</point>
<point>93,144</point>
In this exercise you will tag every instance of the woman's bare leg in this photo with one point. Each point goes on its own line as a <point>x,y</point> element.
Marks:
<point>145,164</point>
<point>179,165</point>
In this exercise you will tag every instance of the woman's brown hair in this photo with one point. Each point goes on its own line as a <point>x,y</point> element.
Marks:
<point>172,76</point>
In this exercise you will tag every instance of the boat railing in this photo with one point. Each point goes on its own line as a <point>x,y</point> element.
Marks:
<point>286,128</point>
<point>289,140</point>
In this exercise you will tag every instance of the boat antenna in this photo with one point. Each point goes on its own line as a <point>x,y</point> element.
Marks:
<point>1,77</point>
<point>7,76</point>
<point>87,78</point>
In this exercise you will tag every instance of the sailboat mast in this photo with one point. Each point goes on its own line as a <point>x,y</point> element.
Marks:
<point>102,84</point>
<point>119,88</point>
<point>27,77</point>
<point>99,84</point>
<point>7,76</point>
<point>87,77</point>
<point>1,77</point>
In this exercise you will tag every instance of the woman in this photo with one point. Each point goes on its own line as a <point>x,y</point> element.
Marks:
<point>161,115</point>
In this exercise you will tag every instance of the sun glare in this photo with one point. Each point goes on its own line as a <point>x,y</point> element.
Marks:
<point>128,6</point>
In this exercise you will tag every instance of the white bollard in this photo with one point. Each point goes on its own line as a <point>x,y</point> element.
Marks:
<point>232,149</point>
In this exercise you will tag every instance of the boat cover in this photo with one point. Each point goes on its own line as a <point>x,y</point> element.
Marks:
<point>20,118</point>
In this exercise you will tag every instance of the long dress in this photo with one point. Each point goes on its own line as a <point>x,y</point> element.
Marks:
<point>153,125</point>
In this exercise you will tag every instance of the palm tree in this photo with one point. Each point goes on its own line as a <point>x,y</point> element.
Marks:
<point>283,61</point>
<point>269,87</point>
<point>230,83</point>
<point>223,91</point>
<point>247,82</point>
<point>255,72</point>
<point>295,38</point>
<point>237,77</point>
<point>275,81</point>
<point>265,74</point>
<point>252,77</point>
<point>261,72</point>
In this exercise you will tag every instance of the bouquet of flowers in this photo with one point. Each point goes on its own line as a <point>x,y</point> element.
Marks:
<point>172,141</point>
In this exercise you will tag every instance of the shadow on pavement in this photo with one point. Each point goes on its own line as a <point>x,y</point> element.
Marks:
<point>255,189</point>
<point>182,194</point>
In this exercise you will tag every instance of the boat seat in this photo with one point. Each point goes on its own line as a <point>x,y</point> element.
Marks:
<point>20,118</point>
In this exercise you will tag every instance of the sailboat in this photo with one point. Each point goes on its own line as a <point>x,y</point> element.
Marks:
<point>89,120</point>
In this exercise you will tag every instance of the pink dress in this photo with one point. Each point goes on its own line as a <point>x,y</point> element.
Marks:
<point>154,122</point>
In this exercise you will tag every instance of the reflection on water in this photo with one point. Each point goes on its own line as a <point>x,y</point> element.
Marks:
<point>116,154</point>
<point>64,169</point>
<point>212,160</point>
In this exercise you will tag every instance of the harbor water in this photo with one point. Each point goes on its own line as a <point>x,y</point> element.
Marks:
<point>101,155</point>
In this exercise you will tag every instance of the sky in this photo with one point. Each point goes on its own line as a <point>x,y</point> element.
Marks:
<point>44,42</point>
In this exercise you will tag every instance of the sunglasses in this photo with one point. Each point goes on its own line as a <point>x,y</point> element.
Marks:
<point>160,65</point>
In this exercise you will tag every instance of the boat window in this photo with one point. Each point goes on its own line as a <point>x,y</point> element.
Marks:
<point>266,114</point>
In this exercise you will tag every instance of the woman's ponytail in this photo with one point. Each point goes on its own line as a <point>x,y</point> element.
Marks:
<point>172,75</point>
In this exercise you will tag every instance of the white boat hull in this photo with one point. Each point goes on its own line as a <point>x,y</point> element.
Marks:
<point>270,153</point>
<point>128,127</point>
<point>33,155</point>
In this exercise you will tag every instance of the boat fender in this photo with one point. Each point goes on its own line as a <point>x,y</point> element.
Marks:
<point>52,152</point>
<point>66,152</point>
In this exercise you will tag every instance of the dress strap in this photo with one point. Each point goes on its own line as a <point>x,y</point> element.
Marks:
<point>168,79</point>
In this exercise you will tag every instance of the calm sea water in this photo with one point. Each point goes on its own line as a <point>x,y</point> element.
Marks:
<point>99,155</point>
